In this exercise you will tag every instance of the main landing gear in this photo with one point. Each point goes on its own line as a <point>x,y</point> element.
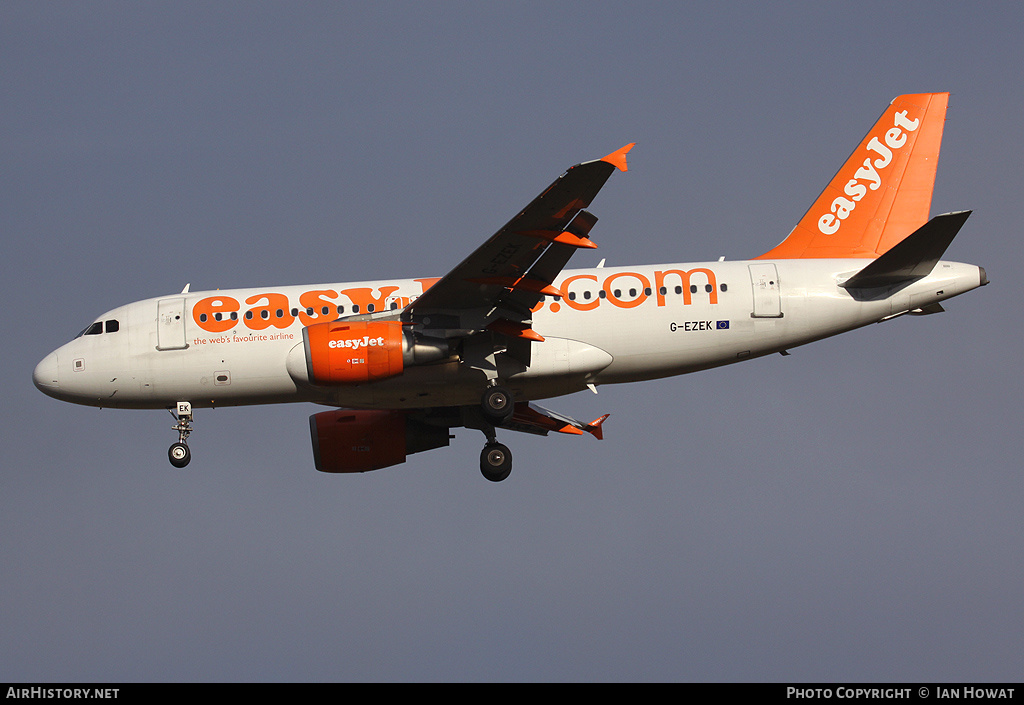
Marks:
<point>495,461</point>
<point>497,406</point>
<point>178,453</point>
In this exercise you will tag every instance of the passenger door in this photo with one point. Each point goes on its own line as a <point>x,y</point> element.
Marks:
<point>170,325</point>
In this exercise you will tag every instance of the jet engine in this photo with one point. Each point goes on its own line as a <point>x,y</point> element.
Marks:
<point>357,441</point>
<point>356,352</point>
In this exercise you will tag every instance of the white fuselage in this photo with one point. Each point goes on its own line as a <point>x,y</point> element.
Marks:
<point>613,325</point>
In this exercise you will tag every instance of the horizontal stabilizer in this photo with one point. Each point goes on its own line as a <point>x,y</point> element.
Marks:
<point>912,258</point>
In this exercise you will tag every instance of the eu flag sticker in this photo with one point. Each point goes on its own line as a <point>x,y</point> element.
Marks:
<point>721,325</point>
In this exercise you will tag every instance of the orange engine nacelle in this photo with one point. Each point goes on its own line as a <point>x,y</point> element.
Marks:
<point>343,352</point>
<point>357,352</point>
<point>358,441</point>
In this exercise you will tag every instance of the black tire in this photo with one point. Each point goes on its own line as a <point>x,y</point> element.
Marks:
<point>498,405</point>
<point>495,462</point>
<point>179,455</point>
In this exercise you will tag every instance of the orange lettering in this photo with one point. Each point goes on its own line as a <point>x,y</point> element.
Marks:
<point>363,298</point>
<point>684,278</point>
<point>274,313</point>
<point>213,314</point>
<point>428,282</point>
<point>576,304</point>
<point>317,300</point>
<point>616,301</point>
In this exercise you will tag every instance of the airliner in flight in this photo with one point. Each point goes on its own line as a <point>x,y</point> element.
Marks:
<point>402,362</point>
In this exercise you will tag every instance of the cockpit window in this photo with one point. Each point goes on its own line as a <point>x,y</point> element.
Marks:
<point>95,329</point>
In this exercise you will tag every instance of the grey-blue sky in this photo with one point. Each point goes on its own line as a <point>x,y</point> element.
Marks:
<point>849,512</point>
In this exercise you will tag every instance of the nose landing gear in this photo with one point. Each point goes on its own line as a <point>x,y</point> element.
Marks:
<point>178,453</point>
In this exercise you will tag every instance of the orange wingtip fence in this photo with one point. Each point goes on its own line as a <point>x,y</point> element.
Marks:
<point>618,158</point>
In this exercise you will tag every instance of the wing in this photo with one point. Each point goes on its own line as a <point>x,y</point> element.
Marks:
<point>530,418</point>
<point>497,285</point>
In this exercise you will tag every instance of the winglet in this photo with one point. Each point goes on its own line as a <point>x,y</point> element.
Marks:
<point>618,158</point>
<point>594,427</point>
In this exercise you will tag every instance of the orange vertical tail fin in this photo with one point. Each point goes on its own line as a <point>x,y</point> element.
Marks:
<point>884,190</point>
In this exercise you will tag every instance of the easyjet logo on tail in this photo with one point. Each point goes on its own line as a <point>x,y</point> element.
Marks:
<point>867,176</point>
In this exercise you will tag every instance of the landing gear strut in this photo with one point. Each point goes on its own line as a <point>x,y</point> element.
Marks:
<point>497,406</point>
<point>178,453</point>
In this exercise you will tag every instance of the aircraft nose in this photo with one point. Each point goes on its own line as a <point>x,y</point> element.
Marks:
<point>45,374</point>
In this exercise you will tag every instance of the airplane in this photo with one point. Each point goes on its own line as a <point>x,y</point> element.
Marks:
<point>403,362</point>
